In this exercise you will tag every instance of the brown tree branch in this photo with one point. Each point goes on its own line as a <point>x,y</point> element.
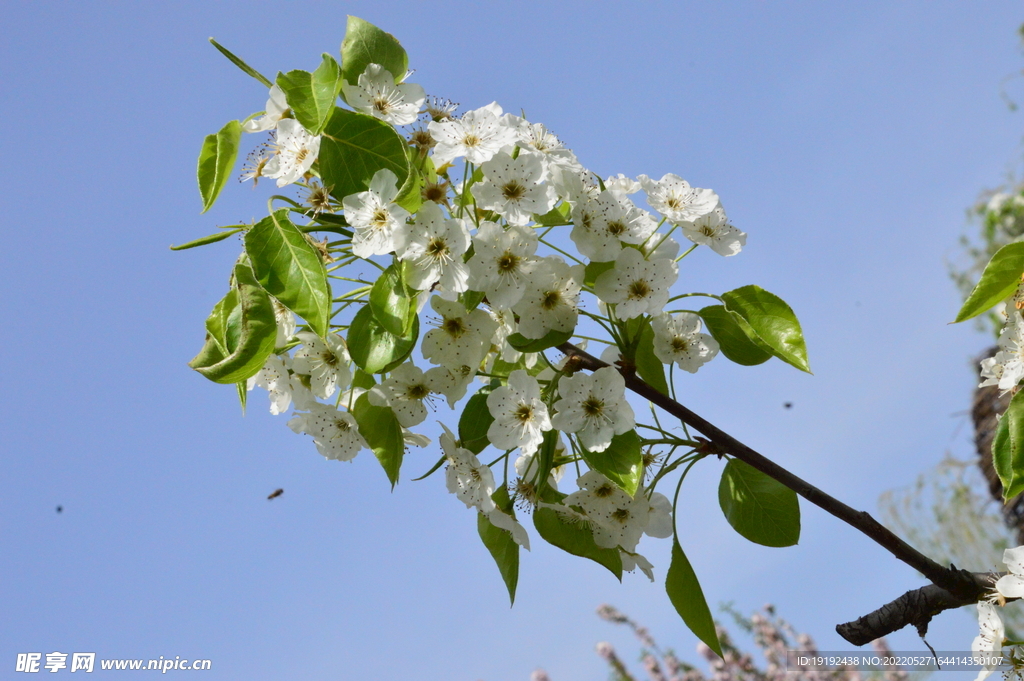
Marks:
<point>959,586</point>
<point>915,607</point>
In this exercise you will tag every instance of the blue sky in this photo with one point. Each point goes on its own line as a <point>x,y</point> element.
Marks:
<point>846,140</point>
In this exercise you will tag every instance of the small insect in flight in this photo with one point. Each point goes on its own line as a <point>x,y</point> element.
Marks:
<point>276,493</point>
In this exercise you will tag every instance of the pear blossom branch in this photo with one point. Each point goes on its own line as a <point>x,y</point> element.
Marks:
<point>960,587</point>
<point>915,607</point>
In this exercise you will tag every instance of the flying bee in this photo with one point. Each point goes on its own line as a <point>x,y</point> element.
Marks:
<point>276,493</point>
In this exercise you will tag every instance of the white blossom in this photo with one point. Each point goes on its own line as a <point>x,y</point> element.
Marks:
<point>714,229</point>
<point>1012,585</point>
<point>295,152</point>
<point>536,139</point>
<point>602,224</point>
<point>504,521</point>
<point>334,432</point>
<point>632,561</point>
<point>503,263</point>
<point>407,388</point>
<point>988,645</point>
<point>520,415</point>
<point>377,94</point>
<point>621,183</point>
<point>374,215</point>
<point>594,407</point>
<point>276,109</point>
<point>550,300</point>
<point>467,478</point>
<point>616,520</point>
<point>326,364</point>
<point>636,286</point>
<point>433,247</point>
<point>673,197</point>
<point>678,339</point>
<point>478,135</point>
<point>274,377</point>
<point>461,338</point>
<point>515,188</point>
<point>285,324</point>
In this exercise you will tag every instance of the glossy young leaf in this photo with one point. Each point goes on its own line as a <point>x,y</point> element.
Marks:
<point>354,147</point>
<point>622,462</point>
<point>648,366</point>
<point>365,44</point>
<point>311,96</point>
<point>500,544</point>
<point>999,280</point>
<point>773,321</point>
<point>249,330</point>
<point>686,595</point>
<point>524,344</point>
<point>373,348</point>
<point>391,301</point>
<point>1008,448</point>
<point>241,64</point>
<point>761,509</point>
<point>210,239</point>
<point>290,268</point>
<point>475,420</point>
<point>736,339</point>
<point>383,433</point>
<point>573,537</point>
<point>216,161</point>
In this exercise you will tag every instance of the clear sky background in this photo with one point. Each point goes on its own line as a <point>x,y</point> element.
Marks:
<point>846,139</point>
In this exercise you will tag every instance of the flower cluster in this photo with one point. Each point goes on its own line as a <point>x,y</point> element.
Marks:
<point>484,227</point>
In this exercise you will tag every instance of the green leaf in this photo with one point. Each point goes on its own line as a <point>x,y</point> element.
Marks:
<point>499,542</point>
<point>290,269</point>
<point>1008,448</point>
<point>524,344</point>
<point>361,379</point>
<point>686,595</point>
<point>773,321</point>
<point>241,64</point>
<point>545,462</point>
<point>240,332</point>
<point>736,339</point>
<point>594,270</point>
<point>225,314</point>
<point>761,509</point>
<point>366,44</point>
<point>381,430</point>
<point>621,462</point>
<point>311,96</point>
<point>1001,276</point>
<point>472,299</point>
<point>373,348</point>
<point>410,195</point>
<point>354,147</point>
<point>573,537</point>
<point>648,365</point>
<point>217,160</point>
<point>391,302</point>
<point>556,217</point>
<point>243,394</point>
<point>475,420</point>
<point>209,239</point>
